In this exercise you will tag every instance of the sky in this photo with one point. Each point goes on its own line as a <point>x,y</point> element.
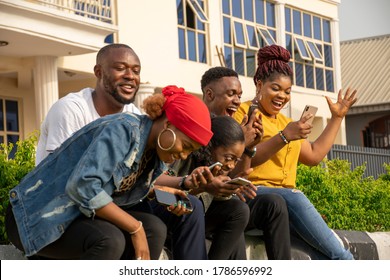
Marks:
<point>363,18</point>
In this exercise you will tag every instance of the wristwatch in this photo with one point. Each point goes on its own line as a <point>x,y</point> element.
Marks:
<point>250,153</point>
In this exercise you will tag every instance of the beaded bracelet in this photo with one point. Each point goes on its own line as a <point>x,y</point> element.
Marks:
<point>283,137</point>
<point>137,230</point>
<point>182,184</point>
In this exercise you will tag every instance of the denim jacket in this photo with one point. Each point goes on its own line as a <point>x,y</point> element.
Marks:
<point>81,176</point>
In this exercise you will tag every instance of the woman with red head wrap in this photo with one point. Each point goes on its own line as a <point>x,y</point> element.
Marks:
<point>88,199</point>
<point>284,143</point>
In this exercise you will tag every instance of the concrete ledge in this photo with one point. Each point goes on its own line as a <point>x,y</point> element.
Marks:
<point>382,241</point>
<point>359,243</point>
<point>363,245</point>
<point>10,252</point>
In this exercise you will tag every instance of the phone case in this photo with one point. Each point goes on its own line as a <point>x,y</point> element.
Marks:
<point>214,165</point>
<point>239,181</point>
<point>167,198</point>
<point>252,107</point>
<point>309,110</point>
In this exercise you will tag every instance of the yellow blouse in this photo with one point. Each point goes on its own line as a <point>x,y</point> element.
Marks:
<point>280,170</point>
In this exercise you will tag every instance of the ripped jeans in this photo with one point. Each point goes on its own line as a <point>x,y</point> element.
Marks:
<point>308,223</point>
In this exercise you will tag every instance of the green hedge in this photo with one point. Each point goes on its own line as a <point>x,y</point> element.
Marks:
<point>12,171</point>
<point>344,198</point>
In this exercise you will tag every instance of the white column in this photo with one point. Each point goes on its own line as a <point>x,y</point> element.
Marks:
<point>280,23</point>
<point>334,28</point>
<point>144,91</point>
<point>45,85</point>
<point>281,38</point>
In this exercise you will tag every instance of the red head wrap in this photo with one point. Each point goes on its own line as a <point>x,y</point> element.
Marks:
<point>188,113</point>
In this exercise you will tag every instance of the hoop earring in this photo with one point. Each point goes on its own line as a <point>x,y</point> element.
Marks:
<point>174,139</point>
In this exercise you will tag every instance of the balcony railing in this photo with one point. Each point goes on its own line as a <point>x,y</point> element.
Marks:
<point>101,10</point>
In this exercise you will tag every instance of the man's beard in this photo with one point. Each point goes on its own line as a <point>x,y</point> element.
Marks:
<point>114,93</point>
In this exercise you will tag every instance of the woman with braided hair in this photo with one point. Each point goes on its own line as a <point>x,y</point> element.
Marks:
<point>284,143</point>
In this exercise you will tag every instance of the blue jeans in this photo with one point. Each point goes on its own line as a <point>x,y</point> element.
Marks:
<point>308,223</point>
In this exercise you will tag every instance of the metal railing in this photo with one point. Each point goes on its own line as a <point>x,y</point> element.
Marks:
<point>101,10</point>
<point>374,158</point>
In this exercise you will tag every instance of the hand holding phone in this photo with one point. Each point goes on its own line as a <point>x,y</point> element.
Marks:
<point>309,110</point>
<point>168,199</point>
<point>239,181</point>
<point>252,107</point>
<point>244,189</point>
<point>211,167</point>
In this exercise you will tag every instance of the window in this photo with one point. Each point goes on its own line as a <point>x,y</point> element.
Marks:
<point>239,36</point>
<point>308,38</point>
<point>302,50</point>
<point>9,122</point>
<point>192,24</point>
<point>253,41</point>
<point>266,35</point>
<point>315,52</point>
<point>194,4</point>
<point>377,134</point>
<point>109,39</point>
<point>247,26</point>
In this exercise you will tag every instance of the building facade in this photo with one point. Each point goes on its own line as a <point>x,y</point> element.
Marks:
<point>48,49</point>
<point>365,63</point>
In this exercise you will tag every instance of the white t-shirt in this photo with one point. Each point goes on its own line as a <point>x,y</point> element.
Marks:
<point>65,117</point>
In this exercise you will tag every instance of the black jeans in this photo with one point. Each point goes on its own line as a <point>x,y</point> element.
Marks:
<point>270,214</point>
<point>186,233</point>
<point>225,222</point>
<point>96,239</point>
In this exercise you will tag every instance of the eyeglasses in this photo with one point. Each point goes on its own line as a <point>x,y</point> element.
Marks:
<point>230,158</point>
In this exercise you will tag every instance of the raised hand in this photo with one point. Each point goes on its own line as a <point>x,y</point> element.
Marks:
<point>341,107</point>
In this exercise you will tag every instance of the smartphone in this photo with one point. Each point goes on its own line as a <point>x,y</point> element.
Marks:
<point>252,107</point>
<point>211,167</point>
<point>167,198</point>
<point>309,110</point>
<point>214,165</point>
<point>239,181</point>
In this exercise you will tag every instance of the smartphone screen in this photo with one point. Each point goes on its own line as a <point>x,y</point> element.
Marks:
<point>167,198</point>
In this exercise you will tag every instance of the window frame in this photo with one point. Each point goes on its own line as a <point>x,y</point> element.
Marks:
<point>5,132</point>
<point>236,43</point>
<point>299,47</point>
<point>250,46</point>
<point>244,49</point>
<point>318,71</point>
<point>318,58</point>
<point>198,10</point>
<point>185,31</point>
<point>266,36</point>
